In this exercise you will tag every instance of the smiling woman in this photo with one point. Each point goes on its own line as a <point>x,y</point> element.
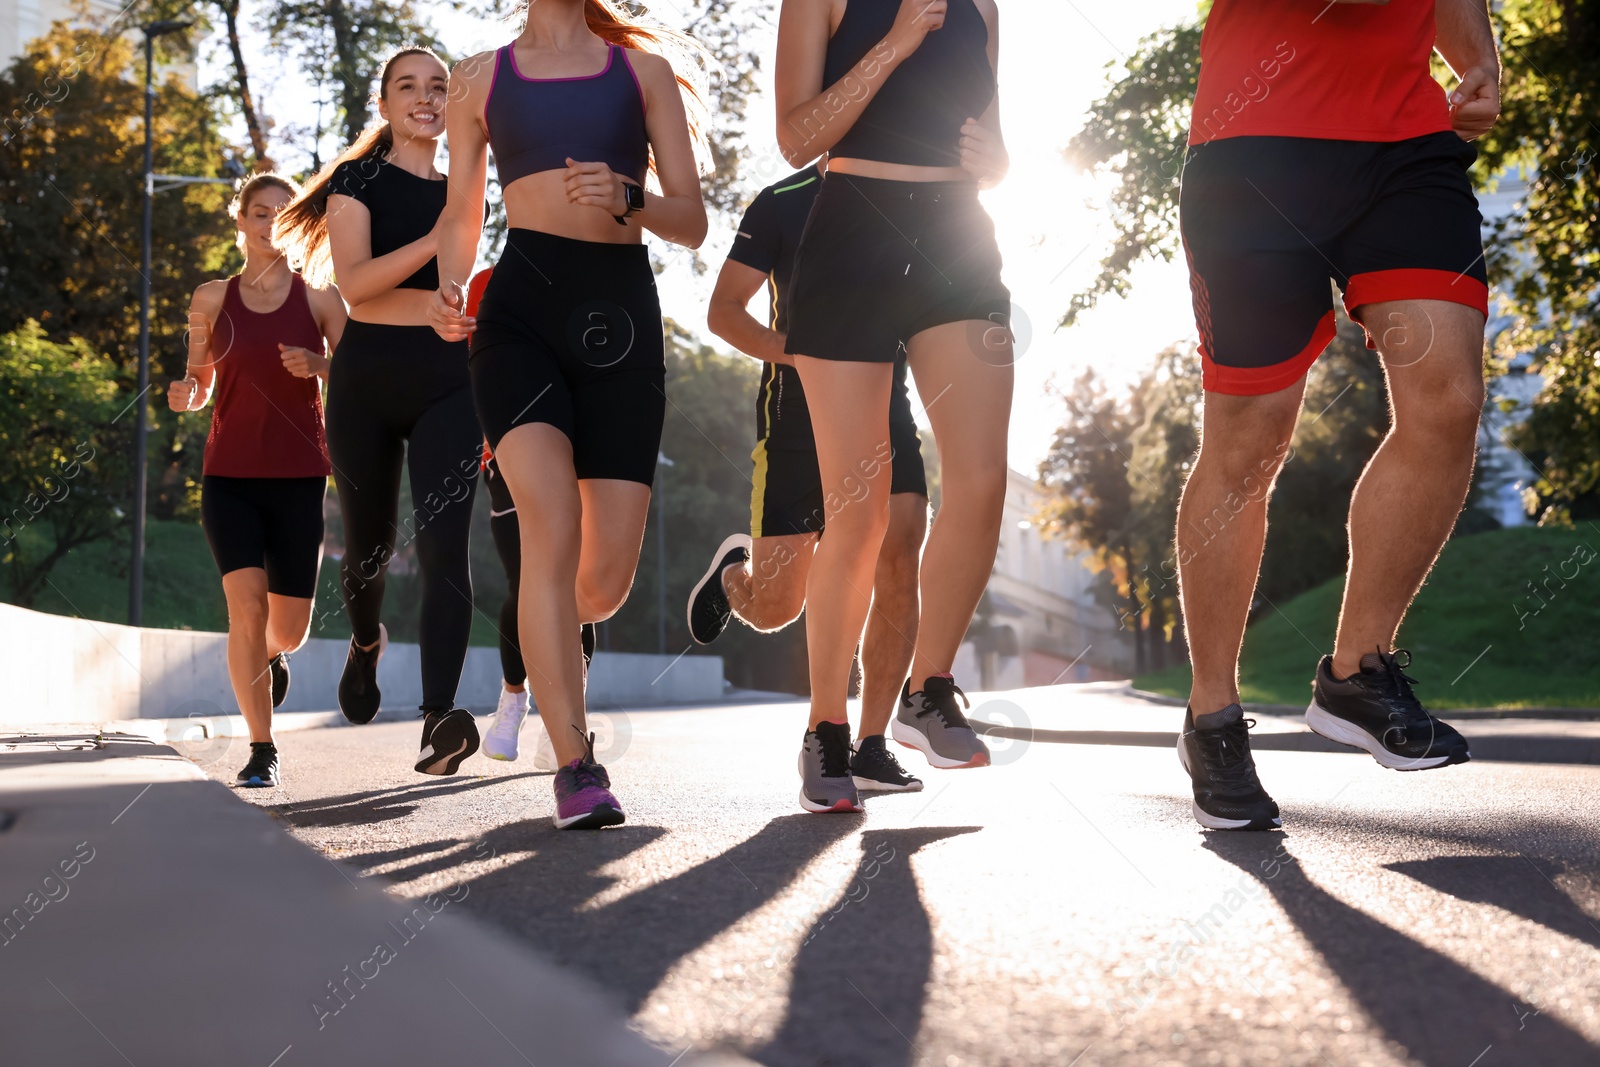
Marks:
<point>395,383</point>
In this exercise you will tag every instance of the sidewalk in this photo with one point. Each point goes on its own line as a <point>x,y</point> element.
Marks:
<point>147,916</point>
<point>1112,713</point>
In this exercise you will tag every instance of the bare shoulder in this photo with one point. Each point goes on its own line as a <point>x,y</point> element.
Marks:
<point>653,70</point>
<point>208,297</point>
<point>324,298</point>
<point>990,10</point>
<point>475,71</point>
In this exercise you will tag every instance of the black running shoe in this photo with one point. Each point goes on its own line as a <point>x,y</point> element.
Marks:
<point>1227,793</point>
<point>448,737</point>
<point>875,769</point>
<point>279,666</point>
<point>262,770</point>
<point>586,635</point>
<point>1376,710</point>
<point>358,686</point>
<point>709,610</point>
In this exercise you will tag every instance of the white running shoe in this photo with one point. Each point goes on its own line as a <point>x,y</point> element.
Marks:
<point>544,753</point>
<point>500,742</point>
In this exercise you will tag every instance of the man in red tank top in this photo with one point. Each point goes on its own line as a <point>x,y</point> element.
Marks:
<point>1322,152</point>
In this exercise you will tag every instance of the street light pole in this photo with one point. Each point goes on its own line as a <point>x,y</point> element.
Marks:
<point>661,555</point>
<point>141,421</point>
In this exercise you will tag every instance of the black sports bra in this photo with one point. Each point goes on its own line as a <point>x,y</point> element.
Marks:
<point>916,117</point>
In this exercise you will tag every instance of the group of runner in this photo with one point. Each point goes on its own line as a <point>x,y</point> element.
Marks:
<point>547,373</point>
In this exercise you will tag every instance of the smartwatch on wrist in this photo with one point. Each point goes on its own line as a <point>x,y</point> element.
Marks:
<point>634,197</point>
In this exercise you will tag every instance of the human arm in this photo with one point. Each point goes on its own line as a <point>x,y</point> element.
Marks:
<point>678,214</point>
<point>983,146</point>
<point>363,276</point>
<point>1465,39</point>
<point>193,391</point>
<point>813,117</point>
<point>729,314</point>
<point>461,224</point>
<point>328,308</point>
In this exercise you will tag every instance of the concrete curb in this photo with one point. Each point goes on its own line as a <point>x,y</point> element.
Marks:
<point>1571,714</point>
<point>163,917</point>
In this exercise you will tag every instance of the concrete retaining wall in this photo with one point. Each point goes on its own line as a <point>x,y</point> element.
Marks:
<point>60,669</point>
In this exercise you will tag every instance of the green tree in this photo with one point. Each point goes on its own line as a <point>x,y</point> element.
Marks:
<point>65,437</point>
<point>71,200</point>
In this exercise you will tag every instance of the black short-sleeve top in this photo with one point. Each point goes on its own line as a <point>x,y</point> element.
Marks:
<point>403,206</point>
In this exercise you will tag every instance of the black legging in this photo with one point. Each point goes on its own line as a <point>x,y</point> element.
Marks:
<point>401,393</point>
<point>508,542</point>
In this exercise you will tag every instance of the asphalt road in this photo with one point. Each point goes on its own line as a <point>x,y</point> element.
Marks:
<point>1058,908</point>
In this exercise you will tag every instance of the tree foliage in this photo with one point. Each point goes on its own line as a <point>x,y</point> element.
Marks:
<point>66,443</point>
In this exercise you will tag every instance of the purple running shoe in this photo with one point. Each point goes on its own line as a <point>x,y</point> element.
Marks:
<point>583,795</point>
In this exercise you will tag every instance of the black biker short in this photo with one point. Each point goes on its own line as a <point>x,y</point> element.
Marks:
<point>881,261</point>
<point>569,333</point>
<point>271,523</point>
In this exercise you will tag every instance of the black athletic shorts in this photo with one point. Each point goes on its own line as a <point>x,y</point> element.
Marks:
<point>1268,221</point>
<point>881,261</point>
<point>786,494</point>
<point>569,333</point>
<point>271,523</point>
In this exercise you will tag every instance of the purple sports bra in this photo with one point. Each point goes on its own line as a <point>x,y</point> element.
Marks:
<point>536,123</point>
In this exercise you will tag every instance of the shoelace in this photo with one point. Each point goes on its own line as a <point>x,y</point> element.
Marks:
<point>587,773</point>
<point>950,715</point>
<point>260,763</point>
<point>1394,686</point>
<point>835,755</point>
<point>1227,753</point>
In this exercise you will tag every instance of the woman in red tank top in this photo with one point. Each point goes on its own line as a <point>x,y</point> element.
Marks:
<point>258,345</point>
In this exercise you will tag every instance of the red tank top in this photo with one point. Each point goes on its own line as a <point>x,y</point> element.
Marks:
<point>266,423</point>
<point>1343,72</point>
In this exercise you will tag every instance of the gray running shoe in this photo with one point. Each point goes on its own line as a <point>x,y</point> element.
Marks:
<point>825,780</point>
<point>930,720</point>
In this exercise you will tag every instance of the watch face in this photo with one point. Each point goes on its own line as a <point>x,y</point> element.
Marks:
<point>635,195</point>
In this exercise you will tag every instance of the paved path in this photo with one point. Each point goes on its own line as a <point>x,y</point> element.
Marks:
<point>1059,908</point>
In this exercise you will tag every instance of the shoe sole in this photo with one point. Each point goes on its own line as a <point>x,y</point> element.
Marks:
<point>256,783</point>
<point>1217,822</point>
<point>842,805</point>
<point>729,543</point>
<point>277,697</point>
<point>455,750</point>
<point>1324,722</point>
<point>911,737</point>
<point>872,785</point>
<point>504,757</point>
<point>599,816</point>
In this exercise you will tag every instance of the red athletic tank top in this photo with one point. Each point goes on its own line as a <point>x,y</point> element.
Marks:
<point>266,423</point>
<point>1344,72</point>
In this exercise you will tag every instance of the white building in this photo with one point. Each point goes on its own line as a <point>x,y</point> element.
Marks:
<point>22,21</point>
<point>1042,592</point>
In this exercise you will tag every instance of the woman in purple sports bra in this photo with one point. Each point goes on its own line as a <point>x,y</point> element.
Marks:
<point>567,351</point>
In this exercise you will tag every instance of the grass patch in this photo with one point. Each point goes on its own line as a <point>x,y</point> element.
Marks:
<point>1508,619</point>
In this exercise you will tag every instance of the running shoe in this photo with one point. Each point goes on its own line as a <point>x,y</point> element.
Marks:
<point>262,770</point>
<point>930,720</point>
<point>709,610</point>
<point>358,686</point>
<point>500,740</point>
<point>1227,793</point>
<point>583,795</point>
<point>544,753</point>
<point>279,666</point>
<point>825,780</point>
<point>586,635</point>
<point>875,769</point>
<point>449,735</point>
<point>1376,710</point>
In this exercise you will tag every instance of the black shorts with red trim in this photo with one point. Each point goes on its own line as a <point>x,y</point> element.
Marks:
<point>1267,222</point>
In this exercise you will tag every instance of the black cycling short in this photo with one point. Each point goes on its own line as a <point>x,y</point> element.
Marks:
<point>881,261</point>
<point>786,490</point>
<point>1268,221</point>
<point>271,523</point>
<point>569,334</point>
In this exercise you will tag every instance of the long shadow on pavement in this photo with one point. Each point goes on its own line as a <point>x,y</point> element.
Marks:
<point>861,974</point>
<point>630,945</point>
<point>380,805</point>
<point>1444,1014</point>
<point>1513,883</point>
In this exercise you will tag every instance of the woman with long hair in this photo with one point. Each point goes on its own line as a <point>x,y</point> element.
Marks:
<point>897,253</point>
<point>256,344</point>
<point>568,355</point>
<point>397,393</point>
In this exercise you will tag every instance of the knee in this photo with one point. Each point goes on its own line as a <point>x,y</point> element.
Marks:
<point>601,592</point>
<point>1446,407</point>
<point>901,555</point>
<point>1250,435</point>
<point>247,619</point>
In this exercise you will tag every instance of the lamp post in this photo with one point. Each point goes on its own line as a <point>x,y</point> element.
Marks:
<point>151,31</point>
<point>661,555</point>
